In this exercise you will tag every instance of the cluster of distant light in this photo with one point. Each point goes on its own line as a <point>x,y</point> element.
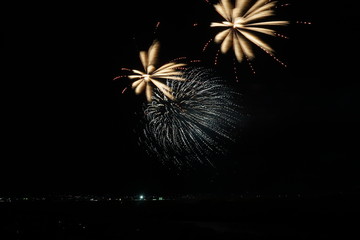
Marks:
<point>84,198</point>
<point>150,197</point>
<point>197,125</point>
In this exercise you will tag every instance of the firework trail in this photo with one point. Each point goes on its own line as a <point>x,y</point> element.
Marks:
<point>196,126</point>
<point>243,23</point>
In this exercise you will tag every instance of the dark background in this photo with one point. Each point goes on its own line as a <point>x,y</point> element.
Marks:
<point>68,128</point>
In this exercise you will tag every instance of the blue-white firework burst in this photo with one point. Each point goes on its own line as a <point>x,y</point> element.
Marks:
<point>198,125</point>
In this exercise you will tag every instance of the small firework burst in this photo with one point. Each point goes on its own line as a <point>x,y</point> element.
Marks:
<point>146,80</point>
<point>197,125</point>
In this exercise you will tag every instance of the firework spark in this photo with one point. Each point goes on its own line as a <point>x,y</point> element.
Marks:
<point>243,22</point>
<point>150,78</point>
<point>199,124</point>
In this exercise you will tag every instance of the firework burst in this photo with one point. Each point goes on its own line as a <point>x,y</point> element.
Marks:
<point>145,81</point>
<point>197,125</point>
<point>242,24</point>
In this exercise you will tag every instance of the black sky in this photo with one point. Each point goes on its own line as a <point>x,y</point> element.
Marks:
<point>68,128</point>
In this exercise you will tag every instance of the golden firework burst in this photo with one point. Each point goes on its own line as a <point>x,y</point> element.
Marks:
<point>145,81</point>
<point>243,22</point>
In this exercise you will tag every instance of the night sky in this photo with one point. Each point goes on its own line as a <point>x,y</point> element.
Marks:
<point>68,127</point>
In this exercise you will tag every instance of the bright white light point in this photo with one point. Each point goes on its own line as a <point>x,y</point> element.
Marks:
<point>146,77</point>
<point>141,197</point>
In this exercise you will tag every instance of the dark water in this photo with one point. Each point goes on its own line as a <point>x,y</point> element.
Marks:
<point>325,217</point>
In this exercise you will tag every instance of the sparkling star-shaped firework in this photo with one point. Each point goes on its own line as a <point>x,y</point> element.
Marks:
<point>243,22</point>
<point>150,77</point>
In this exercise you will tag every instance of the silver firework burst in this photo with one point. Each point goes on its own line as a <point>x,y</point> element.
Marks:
<point>196,126</point>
